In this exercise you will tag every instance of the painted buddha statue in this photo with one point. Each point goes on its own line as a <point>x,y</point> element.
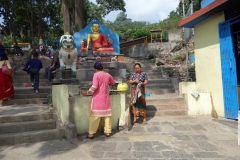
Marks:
<point>99,41</point>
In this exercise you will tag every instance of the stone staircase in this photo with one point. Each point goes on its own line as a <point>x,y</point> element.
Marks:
<point>166,105</point>
<point>23,91</point>
<point>156,83</point>
<point>26,117</point>
<point>28,124</point>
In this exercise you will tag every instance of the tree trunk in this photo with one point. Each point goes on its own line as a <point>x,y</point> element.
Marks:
<point>66,17</point>
<point>31,25</point>
<point>79,20</point>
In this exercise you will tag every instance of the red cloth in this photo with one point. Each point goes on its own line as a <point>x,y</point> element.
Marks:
<point>100,42</point>
<point>6,86</point>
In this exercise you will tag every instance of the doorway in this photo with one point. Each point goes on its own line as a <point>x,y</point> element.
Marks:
<point>230,63</point>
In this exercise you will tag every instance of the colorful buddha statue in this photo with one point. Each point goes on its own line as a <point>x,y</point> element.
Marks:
<point>99,41</point>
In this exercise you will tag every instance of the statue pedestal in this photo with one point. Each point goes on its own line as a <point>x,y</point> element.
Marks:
<point>67,74</point>
<point>65,77</point>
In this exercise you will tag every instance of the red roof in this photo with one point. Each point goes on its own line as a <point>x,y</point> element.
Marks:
<point>203,14</point>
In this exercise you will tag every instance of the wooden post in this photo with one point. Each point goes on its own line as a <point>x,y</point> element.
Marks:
<point>151,37</point>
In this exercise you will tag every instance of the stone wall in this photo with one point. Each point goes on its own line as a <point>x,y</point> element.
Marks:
<point>144,49</point>
<point>72,107</point>
<point>175,35</point>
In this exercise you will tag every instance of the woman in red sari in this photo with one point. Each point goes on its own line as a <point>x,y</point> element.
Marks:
<point>6,85</point>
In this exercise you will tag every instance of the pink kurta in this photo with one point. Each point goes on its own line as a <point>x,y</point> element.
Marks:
<point>101,106</point>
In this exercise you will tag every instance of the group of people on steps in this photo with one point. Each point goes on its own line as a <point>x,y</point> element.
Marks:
<point>100,106</point>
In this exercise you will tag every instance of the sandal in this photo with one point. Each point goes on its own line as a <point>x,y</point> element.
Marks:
<point>107,134</point>
<point>92,137</point>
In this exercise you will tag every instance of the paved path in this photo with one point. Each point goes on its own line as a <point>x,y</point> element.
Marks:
<point>164,138</point>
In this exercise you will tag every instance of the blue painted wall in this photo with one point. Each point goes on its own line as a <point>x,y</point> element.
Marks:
<point>82,34</point>
<point>204,3</point>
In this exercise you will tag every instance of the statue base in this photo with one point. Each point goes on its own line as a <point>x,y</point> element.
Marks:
<point>65,77</point>
<point>67,74</point>
<point>105,57</point>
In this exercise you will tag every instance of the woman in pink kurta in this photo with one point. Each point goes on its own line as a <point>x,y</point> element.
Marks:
<point>101,106</point>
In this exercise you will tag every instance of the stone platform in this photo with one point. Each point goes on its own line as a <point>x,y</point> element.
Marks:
<point>105,57</point>
<point>163,138</point>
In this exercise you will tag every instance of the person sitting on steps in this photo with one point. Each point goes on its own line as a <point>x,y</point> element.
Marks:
<point>54,65</point>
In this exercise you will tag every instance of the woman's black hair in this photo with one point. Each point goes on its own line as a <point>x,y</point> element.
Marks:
<point>137,64</point>
<point>98,66</point>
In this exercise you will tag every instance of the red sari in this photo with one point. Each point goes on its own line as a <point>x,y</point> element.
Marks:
<point>6,86</point>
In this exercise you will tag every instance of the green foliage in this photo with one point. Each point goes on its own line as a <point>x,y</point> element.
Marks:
<point>28,20</point>
<point>50,102</point>
<point>196,6</point>
<point>64,137</point>
<point>127,29</point>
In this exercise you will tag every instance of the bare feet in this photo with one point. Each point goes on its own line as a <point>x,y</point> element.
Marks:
<point>145,121</point>
<point>134,120</point>
<point>90,136</point>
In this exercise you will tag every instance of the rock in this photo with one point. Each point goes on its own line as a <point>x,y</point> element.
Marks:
<point>159,62</point>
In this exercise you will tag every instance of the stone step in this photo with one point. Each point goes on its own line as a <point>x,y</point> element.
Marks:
<point>29,90</point>
<point>21,73</point>
<point>159,91</point>
<point>18,127</point>
<point>167,113</point>
<point>29,137</point>
<point>25,101</point>
<point>30,96</point>
<point>158,81</point>
<point>21,113</point>
<point>174,100</point>
<point>26,117</point>
<point>160,86</point>
<point>45,84</point>
<point>158,107</point>
<point>26,79</point>
<point>154,75</point>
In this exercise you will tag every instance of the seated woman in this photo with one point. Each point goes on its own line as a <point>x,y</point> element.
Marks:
<point>99,41</point>
<point>6,85</point>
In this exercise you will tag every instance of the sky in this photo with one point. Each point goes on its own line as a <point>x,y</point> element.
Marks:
<point>144,10</point>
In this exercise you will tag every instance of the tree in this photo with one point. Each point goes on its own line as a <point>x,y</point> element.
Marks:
<point>98,11</point>
<point>7,10</point>
<point>121,17</point>
<point>79,20</point>
<point>112,5</point>
<point>66,17</point>
<point>172,14</point>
